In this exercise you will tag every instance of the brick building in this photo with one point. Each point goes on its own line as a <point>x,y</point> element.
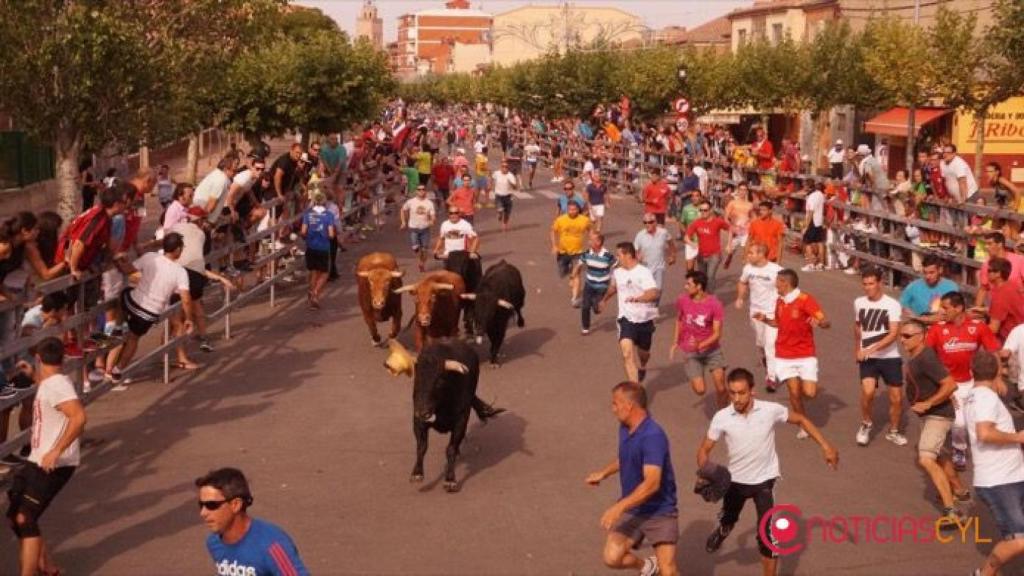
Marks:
<point>426,39</point>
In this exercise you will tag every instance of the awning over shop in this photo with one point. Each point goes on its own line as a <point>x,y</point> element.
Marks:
<point>894,122</point>
<point>719,118</point>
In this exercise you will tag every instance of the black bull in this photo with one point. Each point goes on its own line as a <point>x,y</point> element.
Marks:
<point>470,269</point>
<point>500,295</point>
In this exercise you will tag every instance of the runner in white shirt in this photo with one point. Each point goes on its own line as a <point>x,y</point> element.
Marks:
<point>875,328</point>
<point>455,234</point>
<point>503,183</point>
<point>998,461</point>
<point>532,151</point>
<point>418,216</point>
<point>748,428</point>
<point>1013,350</point>
<point>758,281</point>
<point>637,296</point>
<point>57,423</point>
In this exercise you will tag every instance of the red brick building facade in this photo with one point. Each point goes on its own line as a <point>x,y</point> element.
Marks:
<point>426,38</point>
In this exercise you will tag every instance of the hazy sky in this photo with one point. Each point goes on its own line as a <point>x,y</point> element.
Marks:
<point>655,13</point>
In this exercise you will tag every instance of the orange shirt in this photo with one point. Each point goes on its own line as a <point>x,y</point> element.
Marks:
<point>796,334</point>
<point>767,232</point>
<point>462,198</point>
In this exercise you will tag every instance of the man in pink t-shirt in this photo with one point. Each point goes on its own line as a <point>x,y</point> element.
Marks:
<point>708,228</point>
<point>698,334</point>
<point>995,242</point>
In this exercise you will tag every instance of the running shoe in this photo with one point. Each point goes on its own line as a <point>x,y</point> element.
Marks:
<point>802,434</point>
<point>896,438</point>
<point>650,567</point>
<point>716,538</point>
<point>864,434</point>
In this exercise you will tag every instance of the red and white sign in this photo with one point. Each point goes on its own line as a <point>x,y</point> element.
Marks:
<point>681,106</point>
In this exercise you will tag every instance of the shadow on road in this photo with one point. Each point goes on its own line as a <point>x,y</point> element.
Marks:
<point>522,343</point>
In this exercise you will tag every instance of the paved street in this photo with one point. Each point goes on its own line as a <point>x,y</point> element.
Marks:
<point>299,400</point>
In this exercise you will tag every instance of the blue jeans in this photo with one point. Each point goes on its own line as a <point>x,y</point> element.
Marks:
<point>419,238</point>
<point>591,298</point>
<point>1006,502</point>
<point>709,266</point>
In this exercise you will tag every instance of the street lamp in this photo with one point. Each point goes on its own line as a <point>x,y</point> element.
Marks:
<point>681,73</point>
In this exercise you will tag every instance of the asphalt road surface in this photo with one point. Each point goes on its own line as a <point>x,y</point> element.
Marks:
<point>300,401</point>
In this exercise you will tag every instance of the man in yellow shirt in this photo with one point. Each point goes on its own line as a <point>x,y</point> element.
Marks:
<point>424,164</point>
<point>568,241</point>
<point>480,163</point>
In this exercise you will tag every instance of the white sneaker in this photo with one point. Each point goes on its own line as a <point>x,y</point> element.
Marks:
<point>809,268</point>
<point>896,438</point>
<point>802,434</point>
<point>95,376</point>
<point>584,331</point>
<point>850,271</point>
<point>119,388</point>
<point>864,434</point>
<point>650,567</point>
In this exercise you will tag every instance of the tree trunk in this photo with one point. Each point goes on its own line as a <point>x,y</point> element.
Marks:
<point>66,149</point>
<point>910,139</point>
<point>143,156</point>
<point>192,158</point>
<point>979,144</point>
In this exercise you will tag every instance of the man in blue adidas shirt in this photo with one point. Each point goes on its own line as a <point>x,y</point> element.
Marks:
<point>318,227</point>
<point>241,544</point>
<point>596,264</point>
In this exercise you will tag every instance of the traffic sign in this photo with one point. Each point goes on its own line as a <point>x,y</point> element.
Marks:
<point>681,106</point>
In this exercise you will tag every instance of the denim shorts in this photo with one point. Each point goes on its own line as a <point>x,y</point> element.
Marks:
<point>419,238</point>
<point>1006,502</point>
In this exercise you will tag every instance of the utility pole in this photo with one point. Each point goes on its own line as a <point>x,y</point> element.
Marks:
<point>911,131</point>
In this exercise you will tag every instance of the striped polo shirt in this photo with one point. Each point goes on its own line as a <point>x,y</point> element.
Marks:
<point>599,268</point>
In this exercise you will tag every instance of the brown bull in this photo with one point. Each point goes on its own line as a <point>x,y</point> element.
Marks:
<point>438,297</point>
<point>379,279</point>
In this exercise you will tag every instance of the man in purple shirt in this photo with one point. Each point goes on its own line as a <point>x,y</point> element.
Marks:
<point>698,332</point>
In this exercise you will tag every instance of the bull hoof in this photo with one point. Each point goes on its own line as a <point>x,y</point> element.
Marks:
<point>451,486</point>
<point>416,478</point>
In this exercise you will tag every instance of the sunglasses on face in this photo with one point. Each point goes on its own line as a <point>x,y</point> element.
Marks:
<point>212,505</point>
<point>453,213</point>
<point>650,221</point>
<point>704,210</point>
<point>908,335</point>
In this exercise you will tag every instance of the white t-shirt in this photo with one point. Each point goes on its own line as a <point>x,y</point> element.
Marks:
<point>212,187</point>
<point>532,152</point>
<point>49,423</point>
<point>952,172</point>
<point>161,279</point>
<point>503,183</point>
<point>874,318</point>
<point>761,281</point>
<point>456,235</point>
<point>1015,345</point>
<point>633,283</point>
<point>420,213</point>
<point>816,206</point>
<point>244,180</point>
<point>836,156</point>
<point>192,254</point>
<point>702,176</point>
<point>994,464</point>
<point>750,438</point>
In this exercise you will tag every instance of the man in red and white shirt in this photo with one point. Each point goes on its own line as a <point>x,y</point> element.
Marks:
<point>656,197</point>
<point>796,362</point>
<point>995,243</point>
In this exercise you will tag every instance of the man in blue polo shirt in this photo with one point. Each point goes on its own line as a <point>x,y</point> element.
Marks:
<point>920,299</point>
<point>647,508</point>
<point>596,264</point>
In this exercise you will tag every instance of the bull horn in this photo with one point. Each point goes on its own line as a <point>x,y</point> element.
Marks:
<point>505,304</point>
<point>399,361</point>
<point>469,296</point>
<point>406,288</point>
<point>397,273</point>
<point>443,286</point>
<point>363,273</point>
<point>456,366</point>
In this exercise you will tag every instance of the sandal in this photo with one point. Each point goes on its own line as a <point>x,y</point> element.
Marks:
<point>187,365</point>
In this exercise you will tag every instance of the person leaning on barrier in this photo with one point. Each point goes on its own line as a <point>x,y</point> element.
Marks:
<point>87,236</point>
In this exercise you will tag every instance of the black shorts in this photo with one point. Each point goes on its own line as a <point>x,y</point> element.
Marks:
<point>32,490</point>
<point>763,495</point>
<point>140,320</point>
<point>318,260</point>
<point>566,262</point>
<point>660,218</point>
<point>196,286</point>
<point>640,333</point>
<point>504,204</point>
<point>814,234</point>
<point>889,370</point>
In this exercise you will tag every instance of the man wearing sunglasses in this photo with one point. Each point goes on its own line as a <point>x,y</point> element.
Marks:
<point>241,544</point>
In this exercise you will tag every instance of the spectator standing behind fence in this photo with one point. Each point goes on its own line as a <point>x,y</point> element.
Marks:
<point>158,277</point>
<point>836,157</point>
<point>239,543</point>
<point>164,186</point>
<point>957,174</point>
<point>58,421</point>
<point>708,230</point>
<point>1006,301</point>
<point>814,233</point>
<point>995,245</point>
<point>872,175</point>
<point>211,193</point>
<point>921,299</point>
<point>86,237</point>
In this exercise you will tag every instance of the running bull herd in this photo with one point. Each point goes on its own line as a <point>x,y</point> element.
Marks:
<point>445,370</point>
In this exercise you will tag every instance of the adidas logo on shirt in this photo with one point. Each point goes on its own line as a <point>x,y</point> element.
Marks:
<point>234,569</point>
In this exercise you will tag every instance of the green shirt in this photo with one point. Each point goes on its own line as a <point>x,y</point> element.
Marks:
<point>333,158</point>
<point>688,214</point>
<point>413,177</point>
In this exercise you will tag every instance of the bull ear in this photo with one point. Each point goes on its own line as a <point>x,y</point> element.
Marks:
<point>456,366</point>
<point>505,304</point>
<point>443,286</point>
<point>397,273</point>
<point>406,288</point>
<point>469,296</point>
<point>363,273</point>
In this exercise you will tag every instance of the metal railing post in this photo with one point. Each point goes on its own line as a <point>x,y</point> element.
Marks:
<point>167,353</point>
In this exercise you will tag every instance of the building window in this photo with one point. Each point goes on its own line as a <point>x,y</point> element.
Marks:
<point>759,32</point>
<point>776,33</point>
<point>741,36</point>
<point>840,122</point>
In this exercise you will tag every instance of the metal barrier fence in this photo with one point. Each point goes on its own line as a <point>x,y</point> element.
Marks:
<point>874,232</point>
<point>85,314</point>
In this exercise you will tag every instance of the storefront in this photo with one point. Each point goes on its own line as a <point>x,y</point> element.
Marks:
<point>890,131</point>
<point>1004,137</point>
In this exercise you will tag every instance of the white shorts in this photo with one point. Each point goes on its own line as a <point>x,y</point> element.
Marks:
<point>597,210</point>
<point>112,284</point>
<point>764,335</point>
<point>738,242</point>
<point>803,368</point>
<point>690,252</point>
<point>963,390</point>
